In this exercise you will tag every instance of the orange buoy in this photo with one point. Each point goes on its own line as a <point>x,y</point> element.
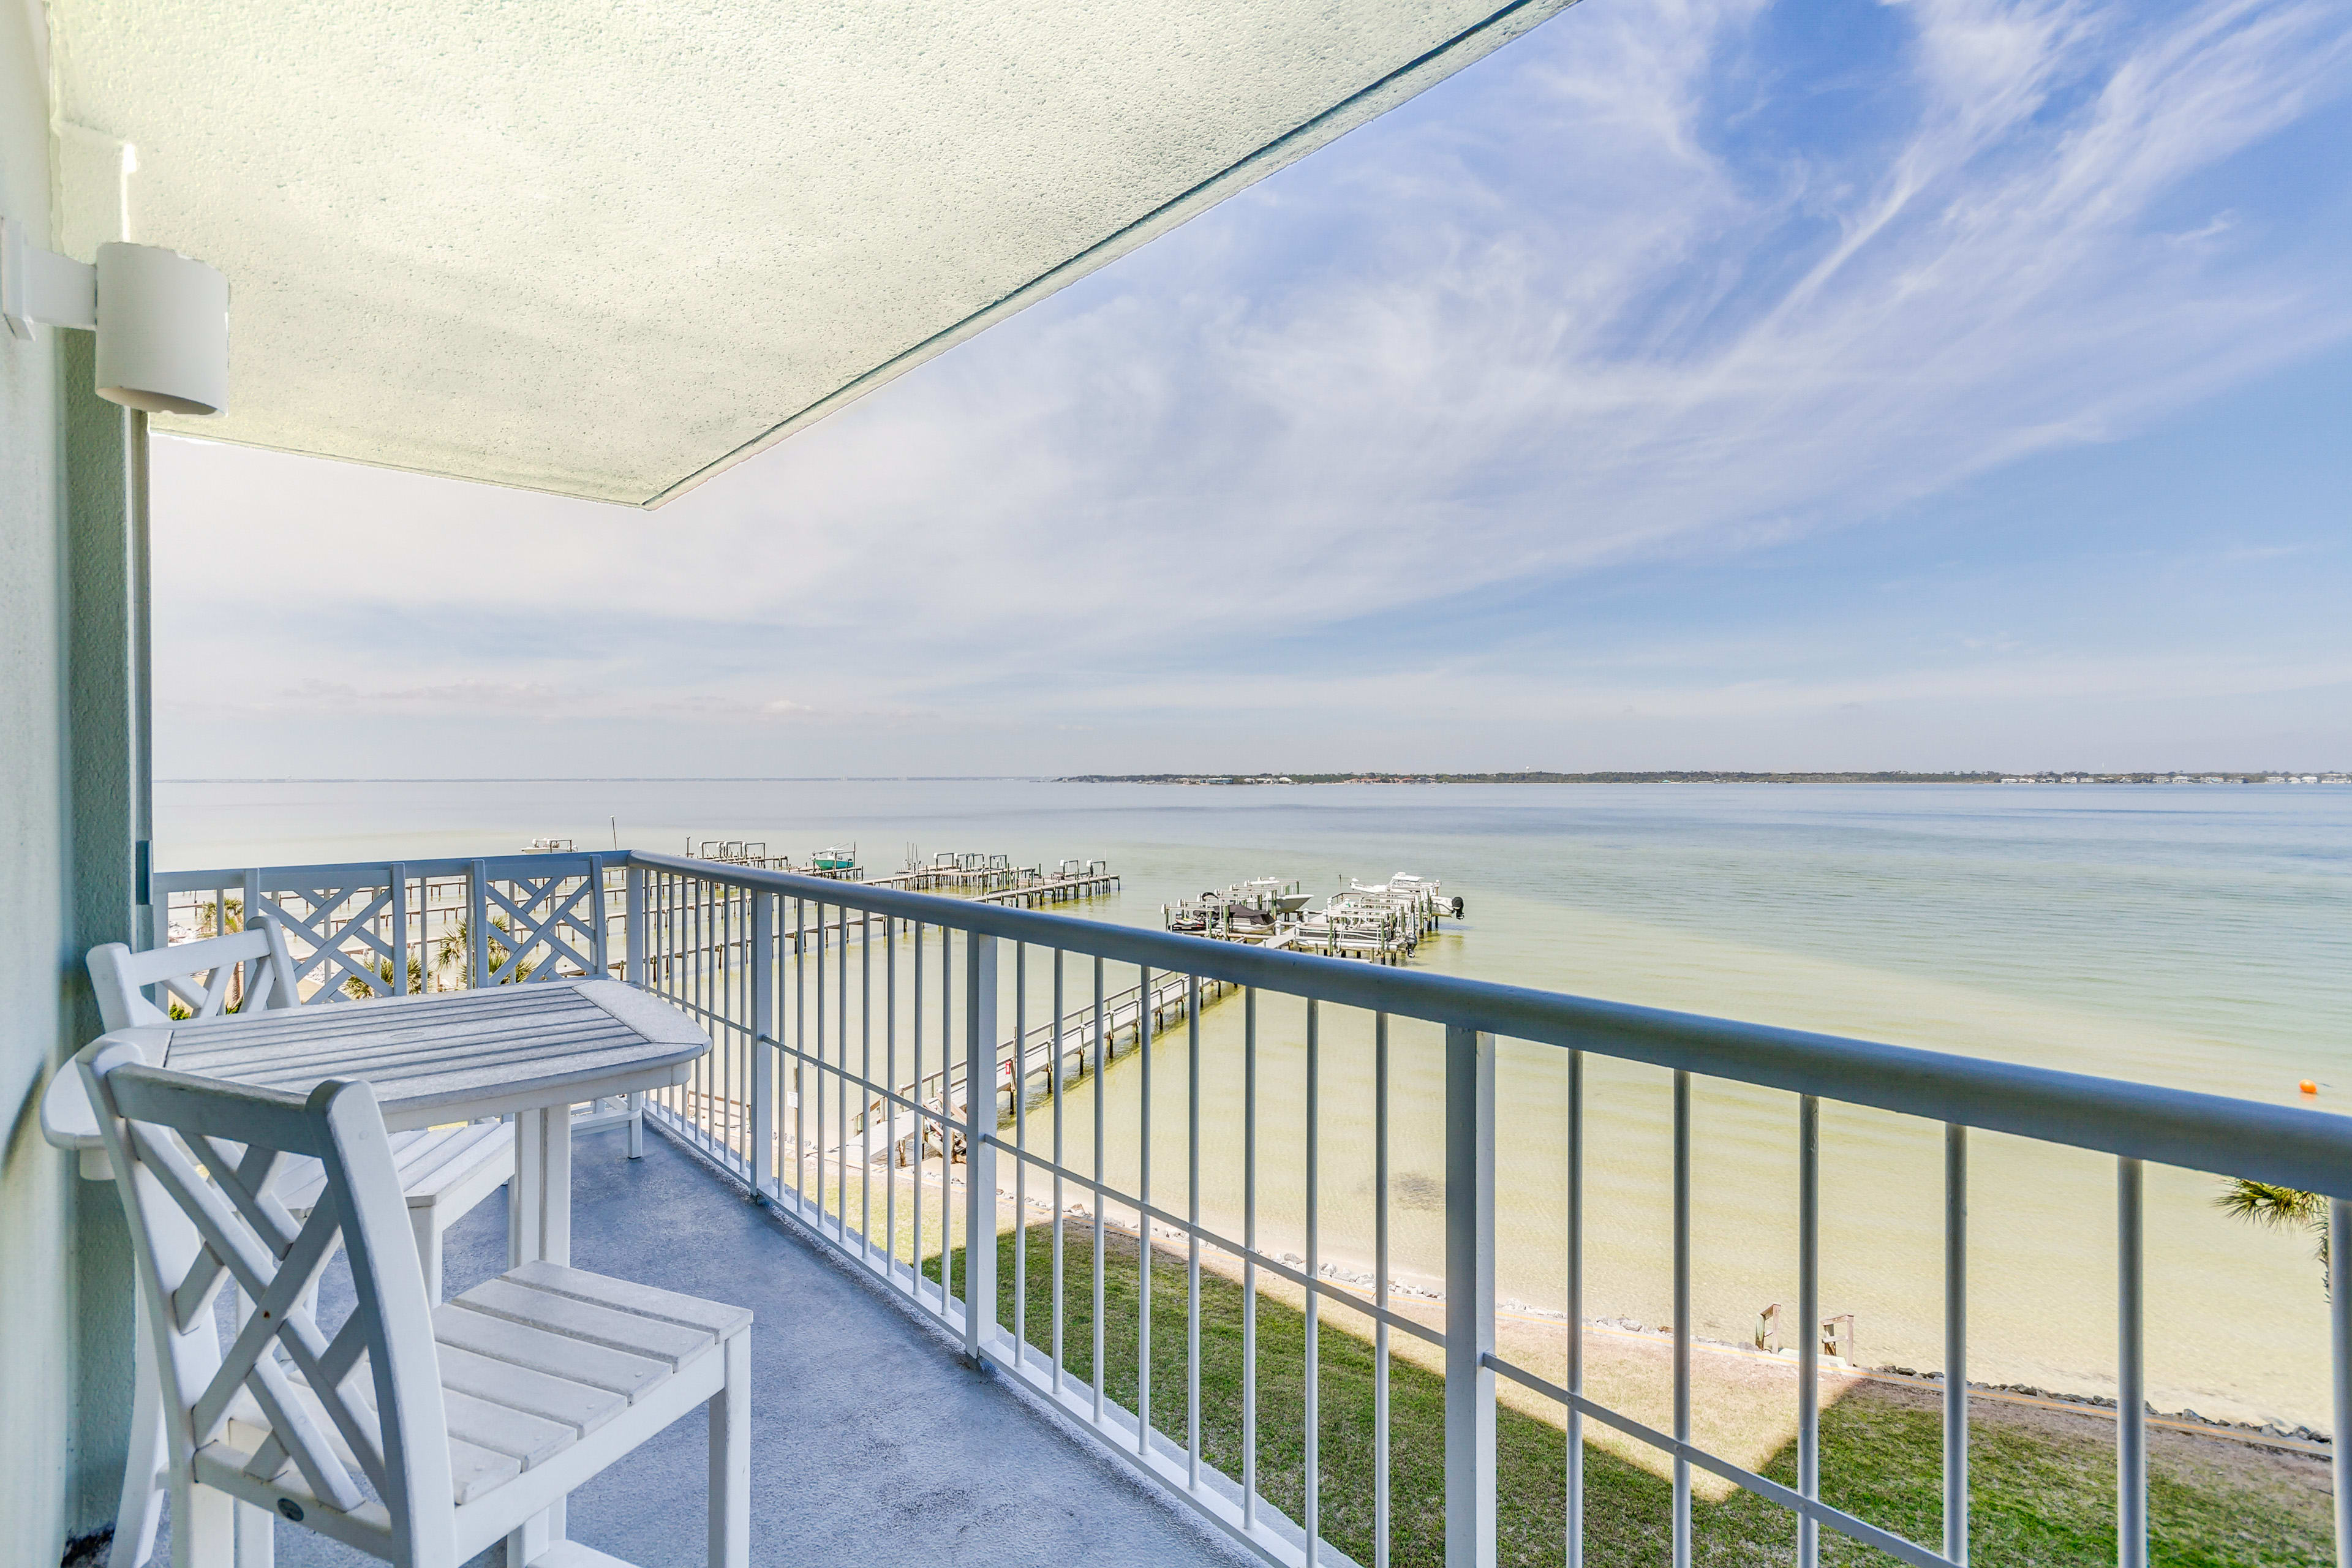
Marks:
<point>2309,1087</point>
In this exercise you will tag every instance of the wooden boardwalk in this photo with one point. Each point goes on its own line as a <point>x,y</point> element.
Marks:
<point>1026,886</point>
<point>1054,891</point>
<point>1026,1066</point>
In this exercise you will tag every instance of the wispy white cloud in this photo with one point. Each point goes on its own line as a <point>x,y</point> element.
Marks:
<point>1628,291</point>
<point>536,701</point>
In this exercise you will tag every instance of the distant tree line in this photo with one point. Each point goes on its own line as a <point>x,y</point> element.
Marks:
<point>1668,776</point>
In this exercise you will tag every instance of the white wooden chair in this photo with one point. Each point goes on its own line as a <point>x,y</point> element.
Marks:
<point>419,1435</point>
<point>445,1171</point>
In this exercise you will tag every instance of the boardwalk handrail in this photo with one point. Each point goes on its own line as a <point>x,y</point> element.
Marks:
<point>2289,1145</point>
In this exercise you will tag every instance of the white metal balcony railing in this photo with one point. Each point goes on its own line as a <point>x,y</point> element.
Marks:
<point>831,1081</point>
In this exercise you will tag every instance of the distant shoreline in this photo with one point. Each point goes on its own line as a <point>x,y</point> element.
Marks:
<point>2257,776</point>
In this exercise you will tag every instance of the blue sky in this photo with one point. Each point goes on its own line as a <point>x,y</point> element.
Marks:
<point>1954,384</point>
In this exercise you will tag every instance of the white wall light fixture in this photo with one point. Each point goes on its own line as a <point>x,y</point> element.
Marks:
<point>161,318</point>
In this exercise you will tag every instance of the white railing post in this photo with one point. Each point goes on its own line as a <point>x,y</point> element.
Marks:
<point>597,901</point>
<point>1955,1343</point>
<point>979,1062</point>
<point>634,934</point>
<point>478,924</point>
<point>761,1031</point>
<point>2339,1322</point>
<point>399,880</point>
<point>2131,1372</point>
<point>1469,1298</point>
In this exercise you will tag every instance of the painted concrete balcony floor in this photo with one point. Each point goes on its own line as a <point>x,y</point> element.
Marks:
<point>871,1440</point>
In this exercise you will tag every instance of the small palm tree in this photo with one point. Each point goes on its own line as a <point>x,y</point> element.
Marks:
<point>219,918</point>
<point>360,990</point>
<point>2281,1208</point>
<point>457,943</point>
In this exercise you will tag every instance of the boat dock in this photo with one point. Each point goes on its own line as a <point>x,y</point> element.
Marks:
<point>1382,921</point>
<point>832,862</point>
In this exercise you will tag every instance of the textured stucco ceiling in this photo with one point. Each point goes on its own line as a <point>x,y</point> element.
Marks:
<point>607,249</point>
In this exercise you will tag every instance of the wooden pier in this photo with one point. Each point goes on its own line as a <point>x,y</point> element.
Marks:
<point>1028,1066</point>
<point>992,882</point>
<point>987,876</point>
<point>1054,891</point>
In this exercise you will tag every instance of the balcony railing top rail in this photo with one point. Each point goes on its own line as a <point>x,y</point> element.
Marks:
<point>2290,1145</point>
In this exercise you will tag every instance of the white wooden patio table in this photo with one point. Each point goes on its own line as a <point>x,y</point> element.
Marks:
<point>532,1051</point>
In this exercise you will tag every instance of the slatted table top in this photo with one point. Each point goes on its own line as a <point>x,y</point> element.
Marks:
<point>454,1055</point>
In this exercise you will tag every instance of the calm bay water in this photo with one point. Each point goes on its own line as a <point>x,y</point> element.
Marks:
<point>2198,937</point>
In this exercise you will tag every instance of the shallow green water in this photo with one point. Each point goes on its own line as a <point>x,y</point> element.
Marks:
<point>2190,936</point>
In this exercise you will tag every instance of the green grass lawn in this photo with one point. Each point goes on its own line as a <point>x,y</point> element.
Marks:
<point>2044,1493</point>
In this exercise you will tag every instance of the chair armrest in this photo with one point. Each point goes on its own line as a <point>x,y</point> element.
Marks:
<point>68,1122</point>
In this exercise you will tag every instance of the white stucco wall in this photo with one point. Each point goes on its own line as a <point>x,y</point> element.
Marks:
<point>37,1194</point>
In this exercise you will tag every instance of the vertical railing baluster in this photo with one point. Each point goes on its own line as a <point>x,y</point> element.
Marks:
<point>1681,1317</point>
<point>1809,1315</point>
<point>689,896</point>
<point>841,1080</point>
<point>1192,1224</point>
<point>1313,1420</point>
<point>1054,1069</point>
<point>1249,1258</point>
<point>1955,1343</point>
<point>1101,1052</point>
<point>816,1065</point>
<point>718,985</point>
<point>949,1126</point>
<point>1469,1298</point>
<point>914,1191</point>
<point>635,934</point>
<point>1143,1223</point>
<point>1381,1290</point>
<point>597,949</point>
<point>979,1062</point>
<point>477,923</point>
<point>1021,1146</point>
<point>714,1001</point>
<point>865,1084</point>
<point>2131,1373</point>
<point>890,1103</point>
<point>2339,1324</point>
<point>694,924</point>
<point>764,1052</point>
<point>800,1077</point>
<point>1572,1553</point>
<point>398,876</point>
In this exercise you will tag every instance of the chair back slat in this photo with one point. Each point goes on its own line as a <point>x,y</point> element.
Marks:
<point>246,1176</point>
<point>121,977</point>
<point>344,1421</point>
<point>304,1345</point>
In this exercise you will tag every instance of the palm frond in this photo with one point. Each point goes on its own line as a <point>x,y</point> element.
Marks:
<point>2265,1203</point>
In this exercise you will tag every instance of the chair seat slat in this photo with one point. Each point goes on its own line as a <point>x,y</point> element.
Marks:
<point>581,1406</point>
<point>518,1434</point>
<point>669,1343</point>
<point>716,1318</point>
<point>502,1339</point>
